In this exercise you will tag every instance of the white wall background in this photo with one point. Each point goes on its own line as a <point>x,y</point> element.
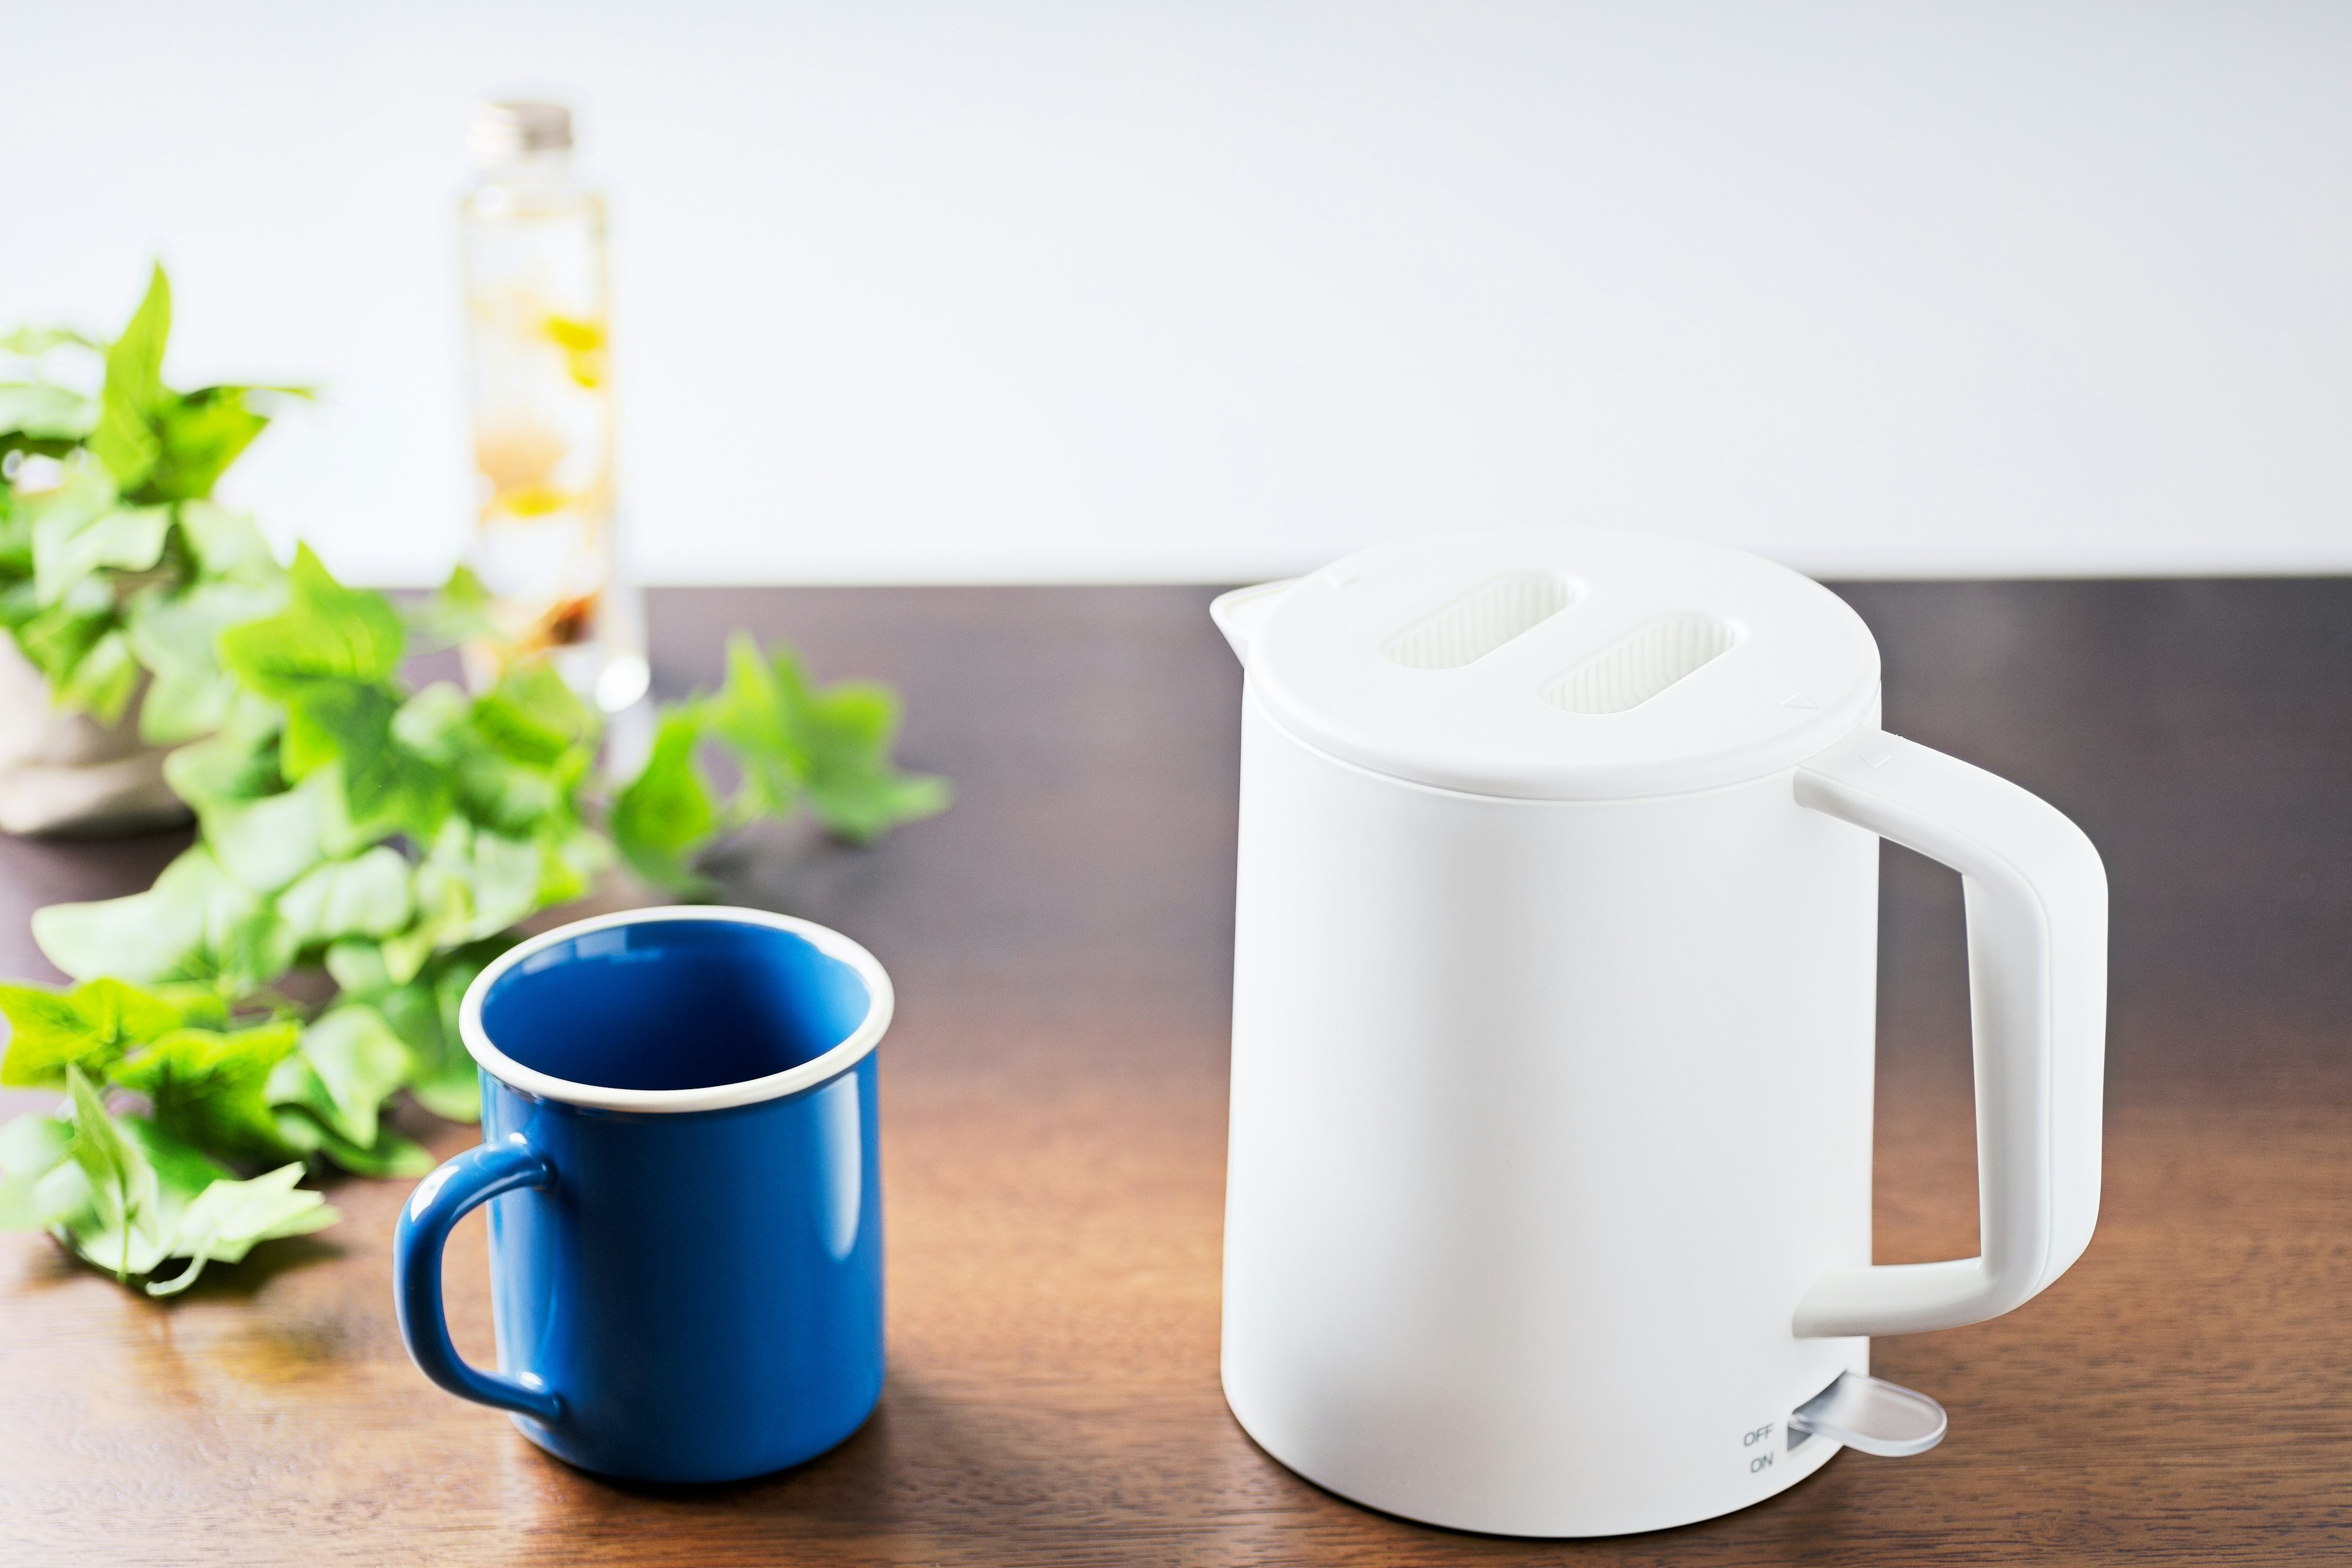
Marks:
<point>1213,291</point>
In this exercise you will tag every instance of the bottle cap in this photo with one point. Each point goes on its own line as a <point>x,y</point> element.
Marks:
<point>505,132</point>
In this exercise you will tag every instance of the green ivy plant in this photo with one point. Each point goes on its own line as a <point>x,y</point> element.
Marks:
<point>791,743</point>
<point>112,558</point>
<point>391,837</point>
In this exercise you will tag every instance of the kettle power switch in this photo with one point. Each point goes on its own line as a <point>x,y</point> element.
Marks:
<point>1872,1415</point>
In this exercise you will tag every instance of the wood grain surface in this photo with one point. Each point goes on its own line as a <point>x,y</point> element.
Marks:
<point>1054,1104</point>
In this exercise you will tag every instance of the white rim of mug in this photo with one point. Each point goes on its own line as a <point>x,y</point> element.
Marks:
<point>717,1097</point>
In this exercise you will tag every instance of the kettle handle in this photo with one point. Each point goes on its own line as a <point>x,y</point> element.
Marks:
<point>2037,913</point>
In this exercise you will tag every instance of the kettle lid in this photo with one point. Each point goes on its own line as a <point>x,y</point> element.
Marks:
<point>1563,664</point>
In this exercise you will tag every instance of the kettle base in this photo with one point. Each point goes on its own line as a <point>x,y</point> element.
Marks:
<point>1559,1512</point>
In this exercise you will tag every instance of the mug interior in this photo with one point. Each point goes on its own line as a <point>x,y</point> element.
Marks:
<point>674,1004</point>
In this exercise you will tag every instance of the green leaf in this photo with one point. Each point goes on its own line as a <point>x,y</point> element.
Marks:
<point>229,1219</point>
<point>265,844</point>
<point>570,861</point>
<point>367,895</point>
<point>532,717</point>
<point>31,342</point>
<point>416,1017</point>
<point>210,1087</point>
<point>475,743</point>
<point>391,1155</point>
<point>404,956</point>
<point>329,657</point>
<point>509,796</point>
<point>759,712</point>
<point>140,1014</point>
<point>516,755</point>
<point>505,876</point>
<point>138,1245</point>
<point>228,547</point>
<point>665,816</point>
<point>124,440</point>
<point>332,722</point>
<point>327,632</point>
<point>359,972</point>
<point>862,810</point>
<point>56,640</point>
<point>181,1171</point>
<point>103,679</point>
<point>251,953</point>
<point>176,636</point>
<point>385,784</point>
<point>32,1145</point>
<point>60,516</point>
<point>456,971</point>
<point>174,1203</point>
<point>444,1078</point>
<point>239,762</point>
<point>197,923</point>
<point>133,1194</point>
<point>48,1032</point>
<point>832,746</point>
<point>17,602</point>
<point>71,540</point>
<point>32,1148</point>
<point>45,412</point>
<point>193,909</point>
<point>463,611</point>
<point>121,1185</point>
<point>89,1027</point>
<point>349,1064</point>
<point>852,786</point>
<point>200,434</point>
<point>475,883</point>
<point>432,723</point>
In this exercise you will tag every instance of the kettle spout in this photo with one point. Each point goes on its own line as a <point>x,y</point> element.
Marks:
<point>1241,613</point>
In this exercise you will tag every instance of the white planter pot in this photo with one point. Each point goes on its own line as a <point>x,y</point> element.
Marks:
<point>64,773</point>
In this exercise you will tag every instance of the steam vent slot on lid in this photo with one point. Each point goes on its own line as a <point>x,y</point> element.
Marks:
<point>1631,671</point>
<point>1497,611</point>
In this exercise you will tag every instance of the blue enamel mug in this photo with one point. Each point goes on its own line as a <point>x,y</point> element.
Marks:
<point>679,1150</point>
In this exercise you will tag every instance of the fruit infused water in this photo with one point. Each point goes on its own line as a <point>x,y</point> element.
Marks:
<point>540,373</point>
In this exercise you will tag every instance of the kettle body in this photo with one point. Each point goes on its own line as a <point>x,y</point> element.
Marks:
<point>1549,1186</point>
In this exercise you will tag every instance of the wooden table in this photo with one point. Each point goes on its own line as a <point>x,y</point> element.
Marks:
<point>1053,1112</point>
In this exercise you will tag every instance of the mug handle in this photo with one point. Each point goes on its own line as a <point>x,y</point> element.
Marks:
<point>440,1200</point>
<point>2037,913</point>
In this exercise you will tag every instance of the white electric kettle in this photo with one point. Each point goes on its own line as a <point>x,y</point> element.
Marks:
<point>1547,1203</point>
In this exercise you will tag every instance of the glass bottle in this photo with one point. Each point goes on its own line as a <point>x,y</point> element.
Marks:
<point>538,320</point>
